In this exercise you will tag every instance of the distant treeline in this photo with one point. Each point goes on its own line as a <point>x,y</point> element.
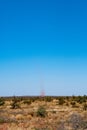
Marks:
<point>43,97</point>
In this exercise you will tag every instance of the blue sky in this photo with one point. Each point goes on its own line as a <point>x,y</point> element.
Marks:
<point>43,46</point>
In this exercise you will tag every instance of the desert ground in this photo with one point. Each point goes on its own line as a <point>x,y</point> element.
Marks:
<point>43,113</point>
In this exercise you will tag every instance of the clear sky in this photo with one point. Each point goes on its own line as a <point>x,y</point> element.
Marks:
<point>43,46</point>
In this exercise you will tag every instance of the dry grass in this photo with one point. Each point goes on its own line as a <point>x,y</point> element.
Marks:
<point>58,113</point>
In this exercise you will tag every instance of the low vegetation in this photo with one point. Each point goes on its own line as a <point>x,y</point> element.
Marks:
<point>43,113</point>
<point>2,102</point>
<point>15,103</point>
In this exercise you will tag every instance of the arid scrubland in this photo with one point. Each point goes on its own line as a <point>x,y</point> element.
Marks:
<point>43,113</point>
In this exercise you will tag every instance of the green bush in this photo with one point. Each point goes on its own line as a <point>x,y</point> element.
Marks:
<point>41,112</point>
<point>61,101</point>
<point>14,104</point>
<point>2,102</point>
<point>81,99</point>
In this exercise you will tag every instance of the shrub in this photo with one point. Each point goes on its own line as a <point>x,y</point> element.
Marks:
<point>28,102</point>
<point>85,107</point>
<point>81,99</point>
<point>67,104</point>
<point>61,101</point>
<point>73,103</point>
<point>2,102</point>
<point>14,104</point>
<point>67,98</point>
<point>41,112</point>
<point>48,99</point>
